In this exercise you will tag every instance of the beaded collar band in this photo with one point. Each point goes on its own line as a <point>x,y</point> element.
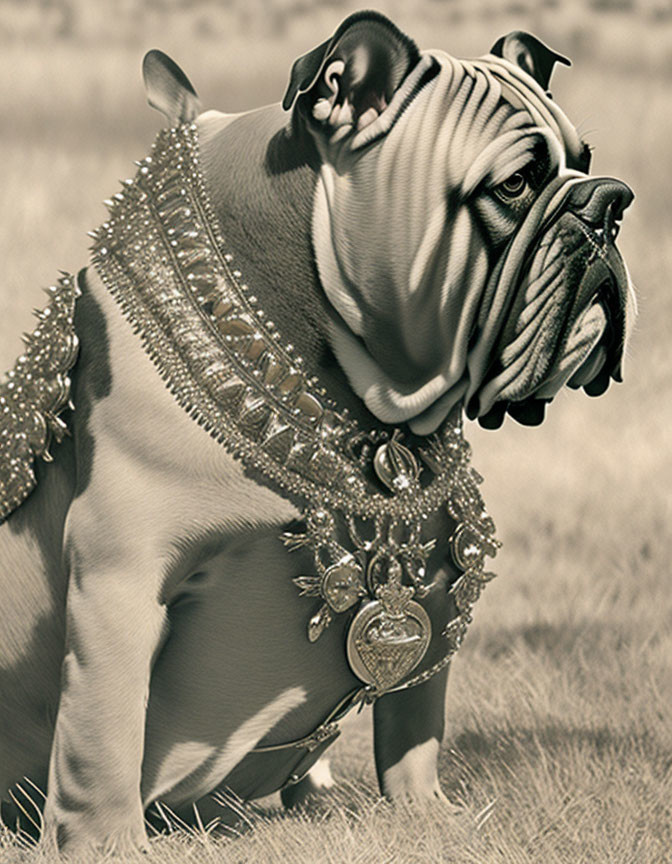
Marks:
<point>365,499</point>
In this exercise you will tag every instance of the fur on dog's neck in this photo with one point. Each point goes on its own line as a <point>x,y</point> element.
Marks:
<point>261,172</point>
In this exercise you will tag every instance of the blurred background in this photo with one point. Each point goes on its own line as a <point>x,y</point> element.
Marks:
<point>576,634</point>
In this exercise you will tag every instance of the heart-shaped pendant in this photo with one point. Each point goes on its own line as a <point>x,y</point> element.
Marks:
<point>383,648</point>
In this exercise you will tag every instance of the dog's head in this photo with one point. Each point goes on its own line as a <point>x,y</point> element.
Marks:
<point>466,252</point>
<point>463,245</point>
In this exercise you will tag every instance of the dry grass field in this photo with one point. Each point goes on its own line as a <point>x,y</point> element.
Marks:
<point>559,742</point>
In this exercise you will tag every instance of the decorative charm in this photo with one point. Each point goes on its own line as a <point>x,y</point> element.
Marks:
<point>318,623</point>
<point>343,584</point>
<point>389,635</point>
<point>395,465</point>
<point>35,393</point>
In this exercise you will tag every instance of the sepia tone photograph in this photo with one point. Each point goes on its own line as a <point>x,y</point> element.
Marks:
<point>335,467</point>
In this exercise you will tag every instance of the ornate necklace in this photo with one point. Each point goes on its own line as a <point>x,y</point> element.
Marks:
<point>366,498</point>
<point>161,254</point>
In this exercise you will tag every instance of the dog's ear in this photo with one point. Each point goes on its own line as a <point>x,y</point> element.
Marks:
<point>168,88</point>
<point>530,53</point>
<point>346,82</point>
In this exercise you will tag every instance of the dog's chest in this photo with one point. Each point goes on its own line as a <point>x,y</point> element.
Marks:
<point>148,445</point>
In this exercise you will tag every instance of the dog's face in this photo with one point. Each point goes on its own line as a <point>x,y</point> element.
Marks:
<point>463,245</point>
<point>563,289</point>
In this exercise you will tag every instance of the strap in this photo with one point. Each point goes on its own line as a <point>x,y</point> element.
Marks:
<point>327,731</point>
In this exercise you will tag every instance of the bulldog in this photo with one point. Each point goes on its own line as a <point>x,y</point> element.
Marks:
<point>284,318</point>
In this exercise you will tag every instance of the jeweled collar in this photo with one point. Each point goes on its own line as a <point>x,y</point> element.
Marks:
<point>365,499</point>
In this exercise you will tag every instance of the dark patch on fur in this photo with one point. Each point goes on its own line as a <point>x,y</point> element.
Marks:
<point>93,379</point>
<point>291,148</point>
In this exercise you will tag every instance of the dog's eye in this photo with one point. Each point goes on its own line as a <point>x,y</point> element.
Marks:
<point>513,187</point>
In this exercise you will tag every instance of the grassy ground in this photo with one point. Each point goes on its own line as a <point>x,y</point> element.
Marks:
<point>559,745</point>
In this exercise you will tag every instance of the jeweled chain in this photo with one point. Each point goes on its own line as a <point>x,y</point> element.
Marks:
<point>345,576</point>
<point>162,255</point>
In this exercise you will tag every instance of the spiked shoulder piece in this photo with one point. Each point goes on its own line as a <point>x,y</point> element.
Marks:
<point>34,394</point>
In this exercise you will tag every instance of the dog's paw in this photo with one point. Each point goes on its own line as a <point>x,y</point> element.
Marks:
<point>85,840</point>
<point>414,778</point>
<point>424,798</point>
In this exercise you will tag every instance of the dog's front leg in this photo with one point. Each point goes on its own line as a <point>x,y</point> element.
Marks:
<point>408,728</point>
<point>114,625</point>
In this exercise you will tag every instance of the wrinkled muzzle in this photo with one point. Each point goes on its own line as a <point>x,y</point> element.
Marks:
<point>569,313</point>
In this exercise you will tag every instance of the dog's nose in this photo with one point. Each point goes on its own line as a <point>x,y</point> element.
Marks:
<point>601,202</point>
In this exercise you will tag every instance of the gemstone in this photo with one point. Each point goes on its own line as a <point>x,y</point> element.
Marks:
<point>343,584</point>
